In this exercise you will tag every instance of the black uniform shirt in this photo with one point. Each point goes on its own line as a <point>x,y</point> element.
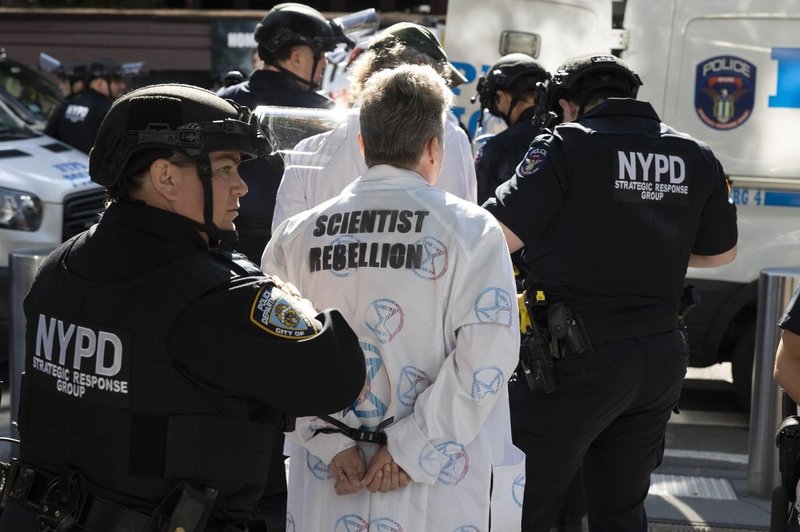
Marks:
<point>497,159</point>
<point>610,208</point>
<point>270,87</point>
<point>215,338</point>
<point>791,318</point>
<point>222,356</point>
<point>265,87</point>
<point>77,120</point>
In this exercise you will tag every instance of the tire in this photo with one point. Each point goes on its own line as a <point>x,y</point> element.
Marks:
<point>742,365</point>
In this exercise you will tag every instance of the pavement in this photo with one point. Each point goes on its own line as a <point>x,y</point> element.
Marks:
<point>702,483</point>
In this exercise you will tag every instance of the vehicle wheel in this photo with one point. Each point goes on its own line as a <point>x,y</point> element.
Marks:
<point>742,366</point>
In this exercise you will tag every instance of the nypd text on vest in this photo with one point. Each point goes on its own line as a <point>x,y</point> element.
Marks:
<point>653,174</point>
<point>78,357</point>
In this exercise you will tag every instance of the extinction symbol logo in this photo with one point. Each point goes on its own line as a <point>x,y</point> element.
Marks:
<point>384,524</point>
<point>351,523</point>
<point>317,467</point>
<point>486,381</point>
<point>518,489</point>
<point>343,240</point>
<point>371,406</point>
<point>385,318</point>
<point>434,258</point>
<point>412,382</point>
<point>456,467</point>
<point>494,305</point>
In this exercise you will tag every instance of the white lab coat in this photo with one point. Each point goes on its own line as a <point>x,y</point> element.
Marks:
<point>322,165</point>
<point>440,335</point>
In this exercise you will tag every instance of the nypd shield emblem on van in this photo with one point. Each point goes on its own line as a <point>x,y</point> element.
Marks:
<point>725,88</point>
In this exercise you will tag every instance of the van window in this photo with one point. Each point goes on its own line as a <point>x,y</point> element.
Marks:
<point>37,94</point>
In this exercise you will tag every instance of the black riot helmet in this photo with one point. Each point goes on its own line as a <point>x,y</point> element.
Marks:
<point>74,72</point>
<point>577,79</point>
<point>516,73</point>
<point>103,68</point>
<point>149,123</point>
<point>290,24</point>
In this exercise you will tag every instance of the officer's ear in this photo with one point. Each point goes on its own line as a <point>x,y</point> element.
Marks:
<point>570,109</point>
<point>163,178</point>
<point>296,57</point>
<point>360,143</point>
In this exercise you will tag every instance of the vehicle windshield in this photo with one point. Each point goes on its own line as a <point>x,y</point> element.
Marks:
<point>12,127</point>
<point>37,94</point>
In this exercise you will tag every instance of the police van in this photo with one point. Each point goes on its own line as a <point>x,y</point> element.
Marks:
<point>725,71</point>
<point>45,197</point>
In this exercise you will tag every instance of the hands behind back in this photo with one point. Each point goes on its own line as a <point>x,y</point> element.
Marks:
<point>384,474</point>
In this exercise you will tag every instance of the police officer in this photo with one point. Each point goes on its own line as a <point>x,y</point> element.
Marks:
<point>787,360</point>
<point>787,375</point>
<point>159,368</point>
<point>612,206</point>
<point>73,77</point>
<point>511,90</point>
<point>292,41</point>
<point>77,120</point>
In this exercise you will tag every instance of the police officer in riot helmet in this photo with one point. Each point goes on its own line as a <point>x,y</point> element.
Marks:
<point>512,89</point>
<point>611,206</point>
<point>77,121</point>
<point>72,77</point>
<point>159,368</point>
<point>292,40</point>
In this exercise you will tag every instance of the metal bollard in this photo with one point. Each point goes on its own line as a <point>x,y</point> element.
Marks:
<point>775,289</point>
<point>23,265</point>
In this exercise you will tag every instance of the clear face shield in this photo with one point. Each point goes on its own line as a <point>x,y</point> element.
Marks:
<point>490,125</point>
<point>305,138</point>
<point>356,27</point>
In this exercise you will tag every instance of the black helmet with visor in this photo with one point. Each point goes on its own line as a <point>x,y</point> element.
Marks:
<point>149,123</point>
<point>291,24</point>
<point>516,73</point>
<point>580,77</point>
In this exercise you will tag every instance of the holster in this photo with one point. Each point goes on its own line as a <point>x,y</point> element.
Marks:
<point>186,507</point>
<point>65,502</point>
<point>787,440</point>
<point>537,348</point>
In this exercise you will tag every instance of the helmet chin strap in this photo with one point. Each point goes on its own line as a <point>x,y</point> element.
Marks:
<point>507,116</point>
<point>215,234</point>
<point>312,85</point>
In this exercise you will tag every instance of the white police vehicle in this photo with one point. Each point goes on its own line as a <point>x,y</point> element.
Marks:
<point>45,197</point>
<point>724,71</point>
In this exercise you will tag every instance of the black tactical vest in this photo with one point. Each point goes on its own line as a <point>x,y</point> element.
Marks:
<point>101,395</point>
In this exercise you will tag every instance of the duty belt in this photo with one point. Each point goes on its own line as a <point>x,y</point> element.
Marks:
<point>63,502</point>
<point>611,332</point>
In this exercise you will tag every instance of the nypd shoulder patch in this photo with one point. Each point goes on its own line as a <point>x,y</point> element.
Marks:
<point>278,313</point>
<point>534,160</point>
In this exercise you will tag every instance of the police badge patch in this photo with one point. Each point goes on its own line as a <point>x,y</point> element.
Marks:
<point>278,313</point>
<point>725,88</point>
<point>534,160</point>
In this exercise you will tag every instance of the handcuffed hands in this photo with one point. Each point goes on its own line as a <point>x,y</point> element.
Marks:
<point>348,468</point>
<point>303,304</point>
<point>384,474</point>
